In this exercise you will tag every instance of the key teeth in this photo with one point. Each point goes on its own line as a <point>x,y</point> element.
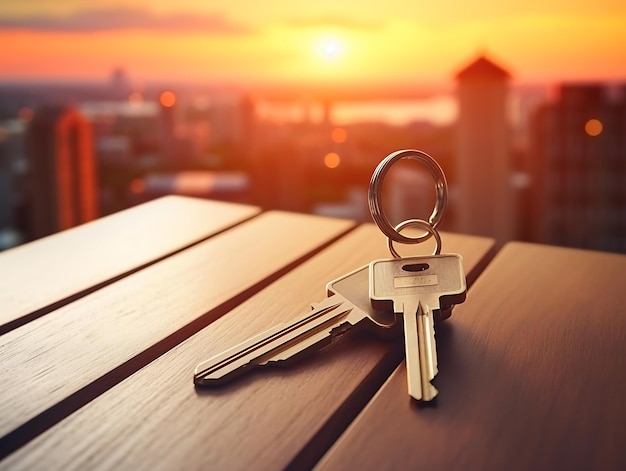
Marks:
<point>427,396</point>
<point>201,381</point>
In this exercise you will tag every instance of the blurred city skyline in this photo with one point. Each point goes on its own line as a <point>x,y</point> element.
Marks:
<point>383,46</point>
<point>288,106</point>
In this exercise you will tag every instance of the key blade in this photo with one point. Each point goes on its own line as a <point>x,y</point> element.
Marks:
<point>411,347</point>
<point>427,351</point>
<point>304,346</point>
<point>420,352</point>
<point>258,349</point>
<point>330,333</point>
<point>353,287</point>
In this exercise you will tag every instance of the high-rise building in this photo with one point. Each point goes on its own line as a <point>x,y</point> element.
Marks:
<point>6,190</point>
<point>578,150</point>
<point>11,185</point>
<point>63,189</point>
<point>484,203</point>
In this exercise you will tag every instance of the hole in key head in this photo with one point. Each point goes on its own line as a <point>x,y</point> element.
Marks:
<point>413,267</point>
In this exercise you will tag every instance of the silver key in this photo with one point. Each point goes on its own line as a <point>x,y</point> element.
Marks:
<point>415,287</point>
<point>346,307</point>
<point>355,287</point>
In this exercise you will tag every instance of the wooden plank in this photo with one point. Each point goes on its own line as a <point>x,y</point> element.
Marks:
<point>42,275</point>
<point>532,375</point>
<point>274,418</point>
<point>116,330</point>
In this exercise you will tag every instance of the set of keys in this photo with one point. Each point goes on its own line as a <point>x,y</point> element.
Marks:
<point>420,290</point>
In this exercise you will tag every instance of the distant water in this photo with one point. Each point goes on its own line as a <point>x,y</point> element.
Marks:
<point>119,108</point>
<point>437,110</point>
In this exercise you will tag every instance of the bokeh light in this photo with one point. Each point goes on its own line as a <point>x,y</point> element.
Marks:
<point>332,160</point>
<point>137,186</point>
<point>593,127</point>
<point>339,135</point>
<point>167,99</point>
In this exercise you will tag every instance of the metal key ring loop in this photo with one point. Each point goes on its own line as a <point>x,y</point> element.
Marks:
<point>375,192</point>
<point>422,225</point>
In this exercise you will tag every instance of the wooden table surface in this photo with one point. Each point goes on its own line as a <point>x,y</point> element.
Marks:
<point>103,325</point>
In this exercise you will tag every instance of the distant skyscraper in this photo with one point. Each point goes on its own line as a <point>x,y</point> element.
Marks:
<point>168,113</point>
<point>232,124</point>
<point>6,190</point>
<point>5,181</point>
<point>62,171</point>
<point>578,148</point>
<point>484,204</point>
<point>120,82</point>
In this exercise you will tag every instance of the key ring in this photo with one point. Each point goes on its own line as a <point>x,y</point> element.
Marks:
<point>423,225</point>
<point>375,191</point>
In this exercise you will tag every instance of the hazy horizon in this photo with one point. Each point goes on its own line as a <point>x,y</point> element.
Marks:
<point>249,44</point>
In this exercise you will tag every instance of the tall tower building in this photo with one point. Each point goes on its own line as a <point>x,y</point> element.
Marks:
<point>484,202</point>
<point>168,114</point>
<point>62,171</point>
<point>579,180</point>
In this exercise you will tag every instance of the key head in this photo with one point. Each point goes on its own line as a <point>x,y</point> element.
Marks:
<point>354,286</point>
<point>437,280</point>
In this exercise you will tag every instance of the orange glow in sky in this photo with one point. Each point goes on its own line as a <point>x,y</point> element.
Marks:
<point>281,41</point>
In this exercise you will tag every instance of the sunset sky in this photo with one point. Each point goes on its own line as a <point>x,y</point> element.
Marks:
<point>285,42</point>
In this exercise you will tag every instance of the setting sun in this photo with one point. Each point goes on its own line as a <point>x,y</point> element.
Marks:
<point>272,43</point>
<point>330,48</point>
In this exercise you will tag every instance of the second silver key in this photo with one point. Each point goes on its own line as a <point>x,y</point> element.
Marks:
<point>309,332</point>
